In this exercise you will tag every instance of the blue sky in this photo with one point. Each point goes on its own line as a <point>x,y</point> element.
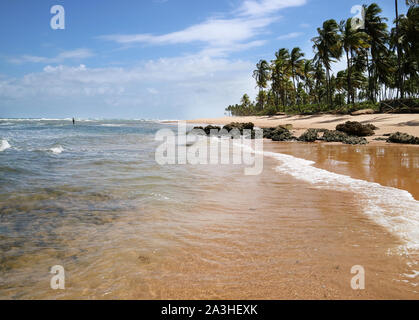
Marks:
<point>154,59</point>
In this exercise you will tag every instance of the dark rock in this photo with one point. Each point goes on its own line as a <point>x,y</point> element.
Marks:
<point>285,136</point>
<point>281,133</point>
<point>267,133</point>
<point>400,137</point>
<point>355,140</point>
<point>208,129</point>
<point>248,126</point>
<point>310,135</point>
<point>240,126</point>
<point>371,126</point>
<point>338,136</point>
<point>198,131</point>
<point>320,130</point>
<point>356,129</point>
<point>334,136</point>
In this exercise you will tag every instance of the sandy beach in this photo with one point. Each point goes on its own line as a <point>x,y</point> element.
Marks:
<point>387,123</point>
<point>127,228</point>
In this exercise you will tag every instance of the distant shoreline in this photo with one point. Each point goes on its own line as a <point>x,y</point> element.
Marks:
<point>387,123</point>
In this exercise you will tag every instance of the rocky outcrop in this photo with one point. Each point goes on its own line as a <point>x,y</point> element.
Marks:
<point>334,136</point>
<point>358,129</point>
<point>234,129</point>
<point>339,136</point>
<point>400,137</point>
<point>355,140</point>
<point>280,133</point>
<point>239,126</point>
<point>310,135</point>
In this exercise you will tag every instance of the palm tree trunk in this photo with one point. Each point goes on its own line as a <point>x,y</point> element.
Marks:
<point>371,94</point>
<point>328,87</point>
<point>399,73</point>
<point>295,88</point>
<point>353,91</point>
<point>349,77</point>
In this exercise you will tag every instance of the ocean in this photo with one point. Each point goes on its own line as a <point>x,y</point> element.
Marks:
<point>92,198</point>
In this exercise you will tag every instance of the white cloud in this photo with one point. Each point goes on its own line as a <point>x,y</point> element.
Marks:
<point>291,35</point>
<point>266,7</point>
<point>214,31</point>
<point>65,55</point>
<point>219,36</point>
<point>188,86</point>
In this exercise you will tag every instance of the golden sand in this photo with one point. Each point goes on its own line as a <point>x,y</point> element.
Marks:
<point>253,237</point>
<point>387,123</point>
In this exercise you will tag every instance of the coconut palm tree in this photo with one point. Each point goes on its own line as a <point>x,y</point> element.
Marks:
<point>376,29</point>
<point>406,38</point>
<point>261,75</point>
<point>295,63</point>
<point>280,73</point>
<point>308,75</point>
<point>352,41</point>
<point>328,48</point>
<point>399,57</point>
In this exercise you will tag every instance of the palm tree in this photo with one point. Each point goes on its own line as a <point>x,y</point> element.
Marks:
<point>328,48</point>
<point>399,57</point>
<point>319,77</point>
<point>352,41</point>
<point>280,73</point>
<point>376,29</point>
<point>409,48</point>
<point>308,75</point>
<point>295,63</point>
<point>261,75</point>
<point>261,100</point>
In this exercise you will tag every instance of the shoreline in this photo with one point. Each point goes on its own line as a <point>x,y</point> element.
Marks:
<point>386,123</point>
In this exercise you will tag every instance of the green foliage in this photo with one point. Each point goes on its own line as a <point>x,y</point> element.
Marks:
<point>381,65</point>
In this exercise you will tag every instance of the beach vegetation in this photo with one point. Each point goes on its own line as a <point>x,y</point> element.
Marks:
<point>381,67</point>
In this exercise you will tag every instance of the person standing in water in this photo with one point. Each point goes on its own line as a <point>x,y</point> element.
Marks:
<point>74,122</point>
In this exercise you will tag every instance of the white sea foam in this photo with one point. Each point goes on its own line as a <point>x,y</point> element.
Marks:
<point>112,125</point>
<point>392,208</point>
<point>4,144</point>
<point>57,150</point>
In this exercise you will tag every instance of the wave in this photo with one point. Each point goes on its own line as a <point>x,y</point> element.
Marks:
<point>57,150</point>
<point>112,125</point>
<point>34,119</point>
<point>394,209</point>
<point>4,144</point>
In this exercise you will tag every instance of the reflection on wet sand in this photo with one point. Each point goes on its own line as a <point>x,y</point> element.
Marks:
<point>225,235</point>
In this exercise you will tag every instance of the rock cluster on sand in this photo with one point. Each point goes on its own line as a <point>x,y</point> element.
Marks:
<point>239,126</point>
<point>280,133</point>
<point>234,129</point>
<point>400,137</point>
<point>310,135</point>
<point>350,132</point>
<point>358,129</point>
<point>339,136</point>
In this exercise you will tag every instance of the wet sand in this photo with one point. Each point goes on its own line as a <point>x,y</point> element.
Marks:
<point>264,237</point>
<point>242,237</point>
<point>274,237</point>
